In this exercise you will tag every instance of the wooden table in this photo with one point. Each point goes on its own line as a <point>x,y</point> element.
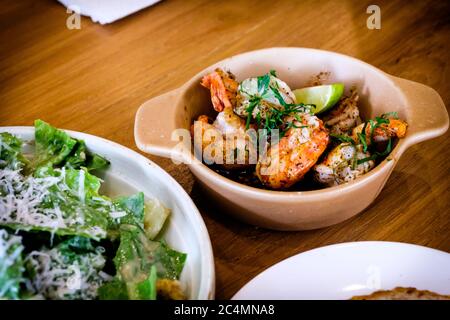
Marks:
<point>95,78</point>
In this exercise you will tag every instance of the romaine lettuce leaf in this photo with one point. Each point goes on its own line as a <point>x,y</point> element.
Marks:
<point>76,245</point>
<point>118,290</point>
<point>96,162</point>
<point>52,145</point>
<point>146,290</point>
<point>113,290</point>
<point>149,215</point>
<point>77,158</point>
<point>139,258</point>
<point>86,212</point>
<point>55,147</point>
<point>82,157</point>
<point>169,261</point>
<point>155,217</point>
<point>134,207</point>
<point>10,152</point>
<point>11,265</point>
<point>135,246</point>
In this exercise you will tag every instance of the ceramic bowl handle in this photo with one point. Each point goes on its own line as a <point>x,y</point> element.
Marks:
<point>156,120</point>
<point>427,115</point>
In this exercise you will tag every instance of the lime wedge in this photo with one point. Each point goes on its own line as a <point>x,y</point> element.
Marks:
<point>324,97</point>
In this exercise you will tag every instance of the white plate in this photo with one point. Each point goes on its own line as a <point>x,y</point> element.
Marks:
<point>344,270</point>
<point>130,172</point>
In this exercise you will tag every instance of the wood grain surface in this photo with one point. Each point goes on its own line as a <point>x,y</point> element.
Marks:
<point>94,79</point>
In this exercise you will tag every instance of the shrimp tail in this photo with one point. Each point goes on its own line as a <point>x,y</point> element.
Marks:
<point>223,88</point>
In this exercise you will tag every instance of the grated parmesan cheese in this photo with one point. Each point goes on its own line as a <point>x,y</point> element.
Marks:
<point>56,276</point>
<point>25,202</point>
<point>10,252</point>
<point>117,214</point>
<point>81,193</point>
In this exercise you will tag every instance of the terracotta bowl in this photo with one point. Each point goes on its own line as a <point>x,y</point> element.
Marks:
<point>419,105</point>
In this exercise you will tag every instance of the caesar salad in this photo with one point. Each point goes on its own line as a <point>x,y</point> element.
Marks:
<point>60,238</point>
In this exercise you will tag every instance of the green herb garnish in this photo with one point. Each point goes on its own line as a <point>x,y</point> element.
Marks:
<point>381,120</point>
<point>254,101</point>
<point>263,84</point>
<point>362,137</point>
<point>275,117</point>
<point>377,154</point>
<point>342,138</point>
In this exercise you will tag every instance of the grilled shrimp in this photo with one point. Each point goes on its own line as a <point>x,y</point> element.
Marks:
<point>223,88</point>
<point>234,144</point>
<point>345,116</point>
<point>228,132</point>
<point>382,132</point>
<point>297,151</point>
<point>250,89</point>
<point>340,165</point>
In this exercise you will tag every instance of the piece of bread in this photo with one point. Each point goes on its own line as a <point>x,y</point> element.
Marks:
<point>401,293</point>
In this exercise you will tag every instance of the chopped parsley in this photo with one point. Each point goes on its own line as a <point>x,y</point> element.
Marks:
<point>342,138</point>
<point>362,136</point>
<point>377,154</point>
<point>275,118</point>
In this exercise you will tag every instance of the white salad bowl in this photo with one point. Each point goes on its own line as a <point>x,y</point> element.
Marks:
<point>130,173</point>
